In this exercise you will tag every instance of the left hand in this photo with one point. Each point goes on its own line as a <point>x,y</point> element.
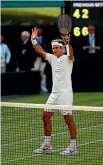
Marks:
<point>66,38</point>
<point>97,48</point>
<point>34,33</point>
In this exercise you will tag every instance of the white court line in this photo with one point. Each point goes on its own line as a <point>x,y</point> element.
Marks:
<point>29,156</point>
<point>55,134</point>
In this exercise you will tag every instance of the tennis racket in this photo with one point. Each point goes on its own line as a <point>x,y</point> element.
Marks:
<point>64,27</point>
<point>64,24</point>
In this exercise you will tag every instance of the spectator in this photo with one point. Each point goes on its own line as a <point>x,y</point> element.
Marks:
<point>40,63</point>
<point>5,55</point>
<point>91,42</point>
<point>91,50</point>
<point>25,54</point>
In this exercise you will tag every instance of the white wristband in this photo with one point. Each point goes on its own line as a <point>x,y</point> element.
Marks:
<point>67,48</point>
<point>34,42</point>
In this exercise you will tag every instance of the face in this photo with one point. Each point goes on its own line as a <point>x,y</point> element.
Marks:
<point>57,50</point>
<point>39,32</point>
<point>91,29</point>
<point>23,37</point>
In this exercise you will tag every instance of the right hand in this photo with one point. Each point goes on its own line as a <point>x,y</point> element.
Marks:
<point>66,38</point>
<point>34,33</point>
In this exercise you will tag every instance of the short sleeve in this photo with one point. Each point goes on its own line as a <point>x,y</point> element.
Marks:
<point>49,57</point>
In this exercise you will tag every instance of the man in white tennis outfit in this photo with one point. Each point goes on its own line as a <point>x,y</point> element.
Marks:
<point>61,94</point>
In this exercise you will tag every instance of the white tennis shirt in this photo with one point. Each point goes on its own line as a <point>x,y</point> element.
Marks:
<point>61,72</point>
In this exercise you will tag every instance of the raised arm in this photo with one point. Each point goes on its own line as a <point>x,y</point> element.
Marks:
<point>36,46</point>
<point>71,57</point>
<point>66,40</point>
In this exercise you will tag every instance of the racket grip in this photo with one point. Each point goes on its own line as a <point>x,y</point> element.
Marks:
<point>67,48</point>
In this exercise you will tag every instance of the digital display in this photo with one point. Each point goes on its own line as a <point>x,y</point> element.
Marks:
<point>84,13</point>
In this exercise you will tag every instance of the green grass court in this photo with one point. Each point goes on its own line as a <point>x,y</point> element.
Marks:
<point>22,132</point>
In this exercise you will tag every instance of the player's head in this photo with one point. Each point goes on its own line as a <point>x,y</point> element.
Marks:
<point>91,29</point>
<point>57,47</point>
<point>25,35</point>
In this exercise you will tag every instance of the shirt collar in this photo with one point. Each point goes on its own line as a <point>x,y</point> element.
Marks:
<point>25,41</point>
<point>92,34</point>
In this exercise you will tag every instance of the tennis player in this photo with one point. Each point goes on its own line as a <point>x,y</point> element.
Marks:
<point>61,94</point>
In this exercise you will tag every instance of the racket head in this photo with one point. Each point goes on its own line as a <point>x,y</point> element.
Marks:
<point>64,24</point>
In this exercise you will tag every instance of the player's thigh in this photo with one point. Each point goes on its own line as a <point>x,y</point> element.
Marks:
<point>51,101</point>
<point>66,99</point>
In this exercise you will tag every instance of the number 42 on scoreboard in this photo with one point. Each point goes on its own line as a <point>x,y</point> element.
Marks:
<point>84,14</point>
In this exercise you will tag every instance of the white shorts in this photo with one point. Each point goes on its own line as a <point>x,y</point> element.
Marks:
<point>61,99</point>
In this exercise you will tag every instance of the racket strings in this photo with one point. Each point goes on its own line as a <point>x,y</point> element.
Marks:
<point>64,24</point>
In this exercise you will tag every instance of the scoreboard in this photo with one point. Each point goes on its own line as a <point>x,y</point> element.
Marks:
<point>84,13</point>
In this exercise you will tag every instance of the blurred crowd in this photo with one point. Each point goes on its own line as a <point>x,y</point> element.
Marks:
<point>26,59</point>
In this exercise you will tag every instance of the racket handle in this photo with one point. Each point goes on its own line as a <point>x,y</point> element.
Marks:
<point>67,48</point>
